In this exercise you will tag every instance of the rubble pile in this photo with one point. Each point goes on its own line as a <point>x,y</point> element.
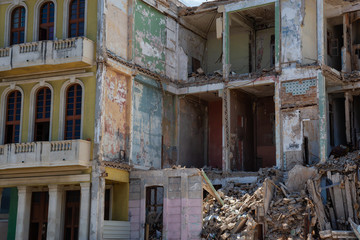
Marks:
<point>317,202</point>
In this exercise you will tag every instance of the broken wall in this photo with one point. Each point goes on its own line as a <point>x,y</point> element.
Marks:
<point>193,46</point>
<point>146,122</point>
<point>334,43</point>
<point>149,37</point>
<point>182,204</point>
<point>116,112</point>
<point>192,135</point>
<point>117,27</point>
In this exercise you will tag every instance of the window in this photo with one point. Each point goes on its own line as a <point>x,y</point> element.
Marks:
<point>76,18</point>
<point>46,24</point>
<point>17,26</point>
<point>13,115</point>
<point>154,212</point>
<point>42,114</point>
<point>73,112</point>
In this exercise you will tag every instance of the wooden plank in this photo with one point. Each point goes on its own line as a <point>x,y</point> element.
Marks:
<point>319,207</point>
<point>353,197</point>
<point>211,188</point>
<point>355,227</point>
<point>338,199</point>
<point>348,198</point>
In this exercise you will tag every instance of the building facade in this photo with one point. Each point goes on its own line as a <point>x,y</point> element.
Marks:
<point>101,99</point>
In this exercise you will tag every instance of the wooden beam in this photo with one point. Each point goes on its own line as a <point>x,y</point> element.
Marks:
<point>210,188</point>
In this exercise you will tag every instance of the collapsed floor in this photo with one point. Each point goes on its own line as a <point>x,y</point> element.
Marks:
<point>315,202</point>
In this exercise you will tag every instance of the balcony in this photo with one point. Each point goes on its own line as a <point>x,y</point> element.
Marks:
<point>45,154</point>
<point>46,56</point>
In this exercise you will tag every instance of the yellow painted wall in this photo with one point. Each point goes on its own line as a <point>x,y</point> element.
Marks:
<point>89,107</point>
<point>120,202</point>
<point>91,20</point>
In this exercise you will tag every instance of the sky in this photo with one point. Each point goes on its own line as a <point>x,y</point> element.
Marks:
<point>192,3</point>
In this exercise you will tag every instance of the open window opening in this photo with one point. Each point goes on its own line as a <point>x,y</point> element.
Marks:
<point>252,128</point>
<point>154,212</point>
<point>200,142</point>
<point>334,42</point>
<point>252,40</point>
<point>337,120</point>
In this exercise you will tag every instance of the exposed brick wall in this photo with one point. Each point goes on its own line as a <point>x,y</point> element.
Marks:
<point>298,93</point>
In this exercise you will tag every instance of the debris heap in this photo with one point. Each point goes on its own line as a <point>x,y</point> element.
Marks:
<point>317,202</point>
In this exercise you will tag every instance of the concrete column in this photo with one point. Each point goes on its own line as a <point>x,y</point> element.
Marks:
<point>226,129</point>
<point>54,213</point>
<point>84,211</point>
<point>23,213</point>
<point>277,101</point>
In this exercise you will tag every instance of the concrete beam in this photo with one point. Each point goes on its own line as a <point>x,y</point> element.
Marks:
<point>247,4</point>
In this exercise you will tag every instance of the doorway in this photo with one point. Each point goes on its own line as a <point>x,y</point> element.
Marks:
<point>39,215</point>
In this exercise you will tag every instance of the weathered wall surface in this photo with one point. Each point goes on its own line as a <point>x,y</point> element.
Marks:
<point>146,122</point>
<point>309,33</point>
<point>192,141</point>
<point>298,93</point>
<point>239,50</point>
<point>263,48</point>
<point>117,34</point>
<point>169,130</point>
<point>242,132</point>
<point>149,37</point>
<point>182,206</point>
<point>213,53</point>
<point>193,46</point>
<point>291,19</point>
<point>215,134</point>
<point>117,102</point>
<point>265,131</point>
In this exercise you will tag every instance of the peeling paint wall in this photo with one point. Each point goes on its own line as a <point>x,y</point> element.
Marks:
<point>117,27</point>
<point>116,106</point>
<point>309,33</point>
<point>193,113</point>
<point>146,122</point>
<point>291,19</point>
<point>149,37</point>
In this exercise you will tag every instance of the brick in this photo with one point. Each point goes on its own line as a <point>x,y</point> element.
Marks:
<point>174,195</point>
<point>174,210</point>
<point>195,218</point>
<point>134,196</point>
<point>135,235</point>
<point>174,202</point>
<point>134,188</point>
<point>134,203</point>
<point>195,210</point>
<point>175,180</point>
<point>174,218</point>
<point>197,194</point>
<point>134,211</point>
<point>174,187</point>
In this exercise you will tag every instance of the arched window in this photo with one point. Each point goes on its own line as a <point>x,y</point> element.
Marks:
<point>73,112</point>
<point>42,114</point>
<point>17,26</point>
<point>13,116</point>
<point>46,24</point>
<point>76,18</point>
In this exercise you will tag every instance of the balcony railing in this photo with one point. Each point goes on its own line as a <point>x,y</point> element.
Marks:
<point>73,50</point>
<point>45,154</point>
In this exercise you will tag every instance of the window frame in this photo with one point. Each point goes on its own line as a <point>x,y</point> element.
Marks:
<point>8,20</point>
<point>37,7</point>
<point>66,18</point>
<point>62,110</point>
<point>3,109</point>
<point>18,29</point>
<point>32,109</point>
<point>74,116</point>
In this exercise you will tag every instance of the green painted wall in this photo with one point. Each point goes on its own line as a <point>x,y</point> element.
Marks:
<point>12,214</point>
<point>149,37</point>
<point>91,21</point>
<point>89,107</point>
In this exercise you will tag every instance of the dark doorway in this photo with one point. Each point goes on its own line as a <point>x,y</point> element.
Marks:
<point>72,212</point>
<point>39,215</point>
<point>154,212</point>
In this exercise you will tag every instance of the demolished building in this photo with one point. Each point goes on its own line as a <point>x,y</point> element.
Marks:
<point>235,86</point>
